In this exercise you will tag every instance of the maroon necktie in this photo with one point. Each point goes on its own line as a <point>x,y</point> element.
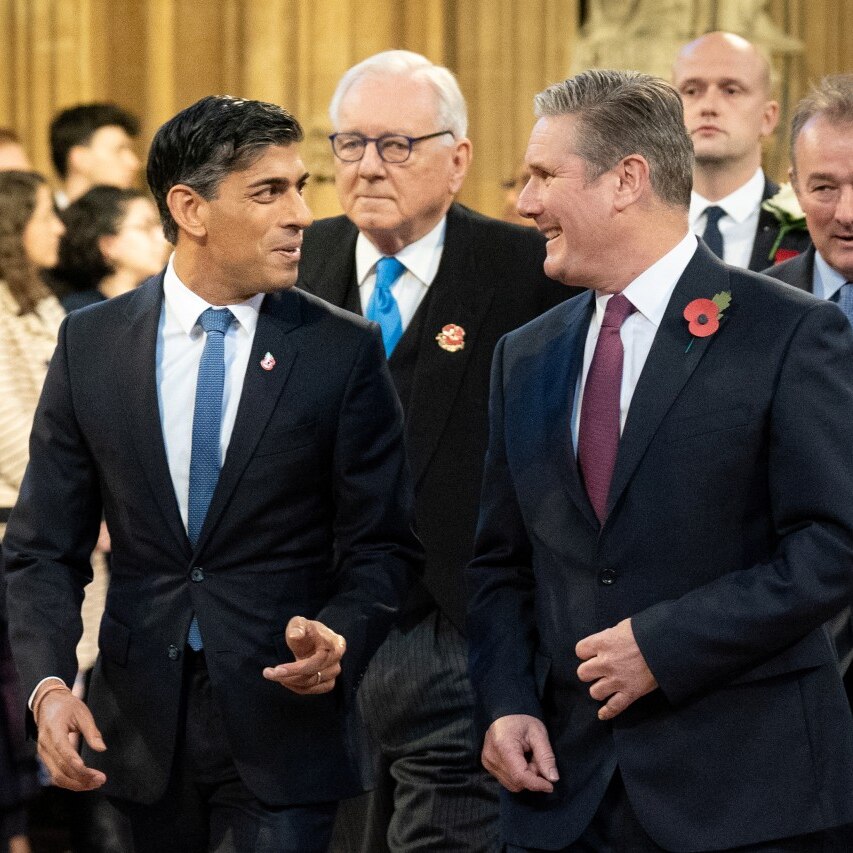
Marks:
<point>598,433</point>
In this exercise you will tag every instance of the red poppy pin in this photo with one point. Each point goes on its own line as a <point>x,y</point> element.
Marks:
<point>704,315</point>
<point>451,338</point>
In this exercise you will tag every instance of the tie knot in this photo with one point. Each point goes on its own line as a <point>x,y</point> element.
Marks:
<point>713,214</point>
<point>388,270</point>
<point>617,311</point>
<point>213,320</point>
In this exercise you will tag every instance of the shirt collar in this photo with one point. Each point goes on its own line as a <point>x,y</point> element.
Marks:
<point>739,205</point>
<point>187,306</point>
<point>827,281</point>
<point>420,258</point>
<point>650,291</point>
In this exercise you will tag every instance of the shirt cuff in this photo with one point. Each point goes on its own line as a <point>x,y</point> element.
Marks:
<point>36,689</point>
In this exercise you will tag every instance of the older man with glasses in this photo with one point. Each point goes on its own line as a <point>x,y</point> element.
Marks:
<point>444,284</point>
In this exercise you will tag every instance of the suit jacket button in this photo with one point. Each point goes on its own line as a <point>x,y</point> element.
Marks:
<point>607,577</point>
<point>197,575</point>
<point>174,652</point>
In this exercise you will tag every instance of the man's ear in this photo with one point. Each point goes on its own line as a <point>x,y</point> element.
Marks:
<point>188,209</point>
<point>632,181</point>
<point>769,118</point>
<point>77,162</point>
<point>461,162</point>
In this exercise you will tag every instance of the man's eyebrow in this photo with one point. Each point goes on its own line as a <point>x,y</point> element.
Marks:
<point>280,182</point>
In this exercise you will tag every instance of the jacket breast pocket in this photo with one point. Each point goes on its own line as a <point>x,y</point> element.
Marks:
<point>684,428</point>
<point>114,640</point>
<point>286,438</point>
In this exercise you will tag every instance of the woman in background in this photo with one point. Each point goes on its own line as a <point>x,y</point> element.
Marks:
<point>29,321</point>
<point>113,241</point>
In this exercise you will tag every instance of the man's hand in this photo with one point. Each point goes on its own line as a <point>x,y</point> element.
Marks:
<point>62,717</point>
<point>318,651</point>
<point>518,754</point>
<point>613,661</point>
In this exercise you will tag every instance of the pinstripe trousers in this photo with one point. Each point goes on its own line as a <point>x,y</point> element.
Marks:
<point>432,793</point>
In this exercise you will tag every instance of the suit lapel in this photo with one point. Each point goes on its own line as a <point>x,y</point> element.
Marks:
<point>561,369</point>
<point>765,232</point>
<point>458,296</point>
<point>669,365</point>
<point>135,371</point>
<point>332,271</point>
<point>279,315</point>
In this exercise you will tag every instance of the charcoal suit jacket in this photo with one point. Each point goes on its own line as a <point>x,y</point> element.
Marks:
<point>728,542</point>
<point>312,516</point>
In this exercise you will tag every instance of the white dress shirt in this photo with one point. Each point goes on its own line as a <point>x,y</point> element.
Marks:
<point>421,260</point>
<point>649,293</point>
<point>180,342</point>
<point>826,281</point>
<point>740,223</point>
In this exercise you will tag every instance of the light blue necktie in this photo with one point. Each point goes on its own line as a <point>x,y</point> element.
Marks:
<point>844,298</point>
<point>712,236</point>
<point>383,306</point>
<point>207,423</point>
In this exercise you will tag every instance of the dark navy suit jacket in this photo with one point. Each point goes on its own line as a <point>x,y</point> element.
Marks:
<point>729,541</point>
<point>312,516</point>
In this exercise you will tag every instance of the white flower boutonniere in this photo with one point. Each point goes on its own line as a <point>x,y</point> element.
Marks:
<point>786,208</point>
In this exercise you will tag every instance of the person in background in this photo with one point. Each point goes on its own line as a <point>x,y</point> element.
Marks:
<point>445,283</point>
<point>725,86</point>
<point>92,144</point>
<point>822,177</point>
<point>29,321</point>
<point>12,153</point>
<point>113,241</point>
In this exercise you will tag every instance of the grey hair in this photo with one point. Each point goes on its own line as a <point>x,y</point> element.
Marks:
<point>832,98</point>
<point>621,113</point>
<point>451,108</point>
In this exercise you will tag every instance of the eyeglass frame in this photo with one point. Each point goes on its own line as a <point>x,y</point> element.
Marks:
<point>377,139</point>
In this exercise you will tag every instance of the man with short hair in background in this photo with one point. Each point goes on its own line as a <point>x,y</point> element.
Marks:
<point>445,283</point>
<point>92,144</point>
<point>667,517</point>
<point>725,85</point>
<point>822,176</point>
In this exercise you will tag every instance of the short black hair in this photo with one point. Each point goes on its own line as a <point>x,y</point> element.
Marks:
<point>208,141</point>
<point>97,213</point>
<point>77,125</point>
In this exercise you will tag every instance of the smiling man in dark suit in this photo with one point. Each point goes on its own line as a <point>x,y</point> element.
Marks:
<point>663,531</point>
<point>457,282</point>
<point>244,603</point>
<point>725,84</point>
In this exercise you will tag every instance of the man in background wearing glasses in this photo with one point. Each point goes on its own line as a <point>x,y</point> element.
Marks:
<point>444,283</point>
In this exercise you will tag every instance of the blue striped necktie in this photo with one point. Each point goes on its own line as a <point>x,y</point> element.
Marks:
<point>207,424</point>
<point>844,298</point>
<point>383,306</point>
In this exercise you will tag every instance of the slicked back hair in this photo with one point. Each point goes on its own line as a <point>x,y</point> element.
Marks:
<point>209,140</point>
<point>621,113</point>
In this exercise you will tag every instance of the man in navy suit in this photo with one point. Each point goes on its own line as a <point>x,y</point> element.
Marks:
<point>663,530</point>
<point>729,109</point>
<point>245,602</point>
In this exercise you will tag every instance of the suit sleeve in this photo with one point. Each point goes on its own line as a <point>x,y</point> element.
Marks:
<point>500,622</point>
<point>377,552</point>
<point>737,622</point>
<point>51,534</point>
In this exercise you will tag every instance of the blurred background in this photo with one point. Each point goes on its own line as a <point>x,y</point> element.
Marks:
<point>154,57</point>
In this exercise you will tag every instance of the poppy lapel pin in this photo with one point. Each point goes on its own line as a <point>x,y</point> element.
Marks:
<point>451,338</point>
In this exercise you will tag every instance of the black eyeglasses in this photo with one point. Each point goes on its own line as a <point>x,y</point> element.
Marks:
<point>391,147</point>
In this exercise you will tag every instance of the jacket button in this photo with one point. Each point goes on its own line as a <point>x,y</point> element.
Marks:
<point>197,575</point>
<point>607,577</point>
<point>174,652</point>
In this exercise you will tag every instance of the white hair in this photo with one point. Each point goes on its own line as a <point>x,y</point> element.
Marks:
<point>451,108</point>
